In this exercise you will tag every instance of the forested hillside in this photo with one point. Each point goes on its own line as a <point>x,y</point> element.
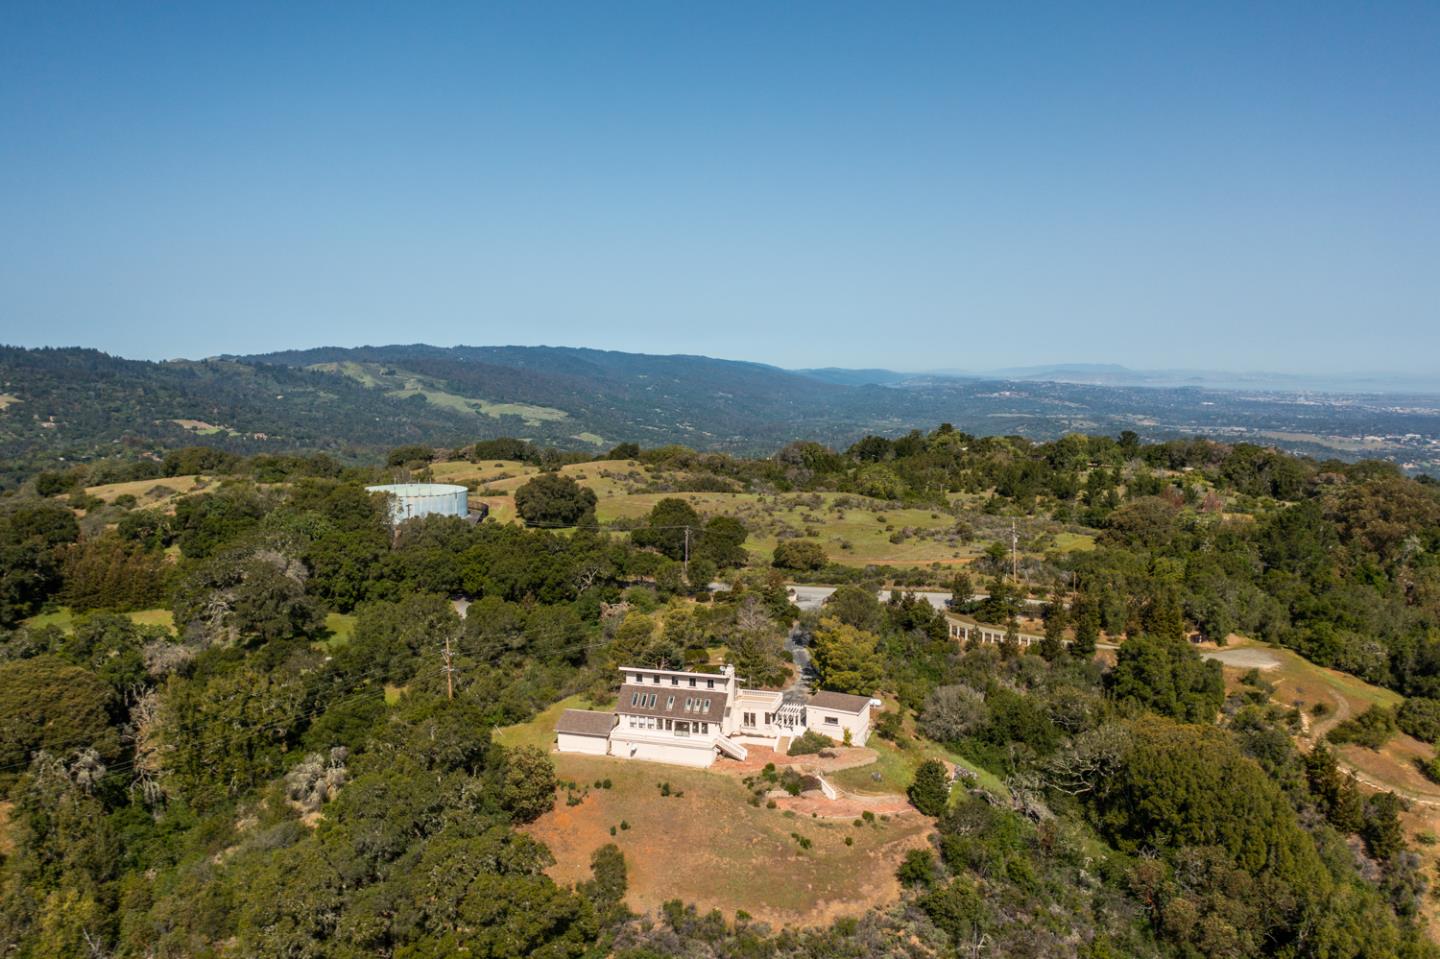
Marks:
<point>73,405</point>
<point>76,405</point>
<point>225,728</point>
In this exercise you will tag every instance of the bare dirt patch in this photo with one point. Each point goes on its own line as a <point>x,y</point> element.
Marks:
<point>1251,657</point>
<point>710,846</point>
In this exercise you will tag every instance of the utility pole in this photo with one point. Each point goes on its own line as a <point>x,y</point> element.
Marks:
<point>687,554</point>
<point>1014,553</point>
<point>449,670</point>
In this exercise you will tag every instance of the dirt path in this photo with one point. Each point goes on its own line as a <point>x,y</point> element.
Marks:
<point>846,805</point>
<point>1338,715</point>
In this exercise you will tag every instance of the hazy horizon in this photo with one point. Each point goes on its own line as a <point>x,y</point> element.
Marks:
<point>928,186</point>
<point>1074,367</point>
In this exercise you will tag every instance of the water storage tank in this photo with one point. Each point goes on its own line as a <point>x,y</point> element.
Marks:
<point>408,500</point>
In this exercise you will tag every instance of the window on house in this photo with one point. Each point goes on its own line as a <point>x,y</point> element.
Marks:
<point>692,682</point>
<point>634,698</point>
<point>674,680</point>
<point>656,677</point>
<point>749,719</point>
<point>669,702</point>
<point>709,684</point>
<point>832,721</point>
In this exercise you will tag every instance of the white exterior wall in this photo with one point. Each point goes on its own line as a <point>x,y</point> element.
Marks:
<point>408,500</point>
<point>577,743</point>
<point>761,703</point>
<point>858,724</point>
<point>696,751</point>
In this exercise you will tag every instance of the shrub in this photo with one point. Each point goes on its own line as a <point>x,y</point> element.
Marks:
<point>809,744</point>
<point>918,869</point>
<point>798,554</point>
<point>889,725</point>
<point>1431,769</point>
<point>1420,717</point>
<point>792,782</point>
<point>1371,728</point>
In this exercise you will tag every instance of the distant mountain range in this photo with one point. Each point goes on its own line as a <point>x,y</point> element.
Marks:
<point>1111,374</point>
<point>69,404</point>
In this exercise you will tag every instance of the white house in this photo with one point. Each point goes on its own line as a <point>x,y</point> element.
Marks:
<point>584,731</point>
<point>835,714</point>
<point>689,718</point>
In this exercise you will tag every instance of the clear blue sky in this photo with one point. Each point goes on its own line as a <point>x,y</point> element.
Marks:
<point>1237,186</point>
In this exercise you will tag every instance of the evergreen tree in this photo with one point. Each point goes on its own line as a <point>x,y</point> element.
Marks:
<point>930,790</point>
<point>1086,613</point>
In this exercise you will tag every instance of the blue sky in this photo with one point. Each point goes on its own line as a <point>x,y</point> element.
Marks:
<point>1236,186</point>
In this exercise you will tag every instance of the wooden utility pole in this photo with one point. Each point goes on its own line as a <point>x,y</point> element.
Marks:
<point>1014,553</point>
<point>449,670</point>
<point>687,554</point>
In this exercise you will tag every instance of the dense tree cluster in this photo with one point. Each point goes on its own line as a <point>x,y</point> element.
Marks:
<point>264,780</point>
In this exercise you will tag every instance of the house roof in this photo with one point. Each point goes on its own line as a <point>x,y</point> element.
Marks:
<point>670,702</point>
<point>840,702</point>
<point>585,722</point>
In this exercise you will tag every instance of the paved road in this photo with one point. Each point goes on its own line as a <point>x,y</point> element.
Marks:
<point>799,690</point>
<point>813,597</point>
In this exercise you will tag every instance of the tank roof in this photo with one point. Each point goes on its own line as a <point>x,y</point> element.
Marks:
<point>417,489</point>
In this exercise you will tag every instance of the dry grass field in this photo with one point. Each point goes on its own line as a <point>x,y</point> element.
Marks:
<point>711,847</point>
<point>150,493</point>
<point>64,618</point>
